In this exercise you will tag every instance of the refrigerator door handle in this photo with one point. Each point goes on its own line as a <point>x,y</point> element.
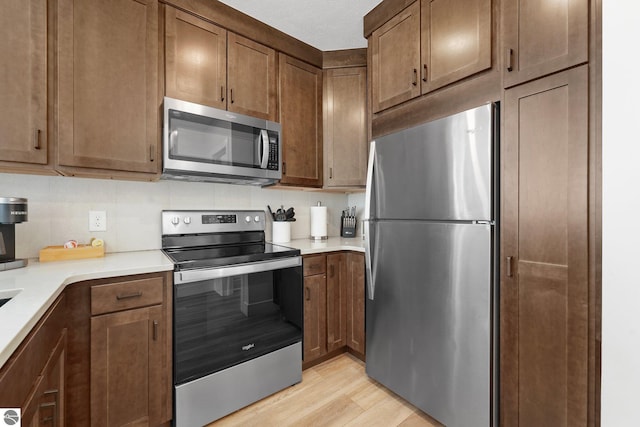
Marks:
<point>368,253</point>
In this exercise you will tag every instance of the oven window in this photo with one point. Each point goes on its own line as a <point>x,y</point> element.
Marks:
<point>219,323</point>
<point>208,140</point>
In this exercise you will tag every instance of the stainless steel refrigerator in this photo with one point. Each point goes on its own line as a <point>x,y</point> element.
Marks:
<point>430,237</point>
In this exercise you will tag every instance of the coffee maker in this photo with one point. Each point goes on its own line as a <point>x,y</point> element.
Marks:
<point>13,210</point>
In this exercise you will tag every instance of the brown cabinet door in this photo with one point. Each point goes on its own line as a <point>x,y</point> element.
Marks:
<point>540,38</point>
<point>23,85</point>
<point>544,272</point>
<point>253,83</point>
<point>301,119</point>
<point>345,127</point>
<point>336,301</point>
<point>456,40</point>
<point>395,59</point>
<point>108,110</point>
<point>315,320</point>
<point>195,59</point>
<point>355,303</point>
<point>129,379</point>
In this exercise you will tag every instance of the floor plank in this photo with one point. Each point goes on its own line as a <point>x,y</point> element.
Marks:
<point>335,393</point>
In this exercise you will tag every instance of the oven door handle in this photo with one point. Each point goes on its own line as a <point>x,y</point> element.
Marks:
<point>235,270</point>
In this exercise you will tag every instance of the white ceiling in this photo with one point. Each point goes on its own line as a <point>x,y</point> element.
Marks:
<point>324,24</point>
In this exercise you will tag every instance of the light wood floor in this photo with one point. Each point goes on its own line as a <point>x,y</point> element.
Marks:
<point>337,392</point>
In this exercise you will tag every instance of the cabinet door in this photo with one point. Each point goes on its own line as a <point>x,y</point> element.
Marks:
<point>395,59</point>
<point>23,85</point>
<point>336,301</point>
<point>355,303</point>
<point>345,126</point>
<point>315,320</point>
<point>129,378</point>
<point>301,120</point>
<point>456,40</point>
<point>252,78</point>
<point>540,38</point>
<point>544,273</point>
<point>195,59</point>
<point>108,110</point>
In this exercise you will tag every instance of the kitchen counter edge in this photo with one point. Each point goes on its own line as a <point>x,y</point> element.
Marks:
<point>41,283</point>
<point>332,244</point>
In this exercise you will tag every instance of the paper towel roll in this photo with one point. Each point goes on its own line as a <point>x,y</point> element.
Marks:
<point>318,216</point>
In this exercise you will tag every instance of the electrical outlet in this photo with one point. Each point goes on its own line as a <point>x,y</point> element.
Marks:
<point>97,221</point>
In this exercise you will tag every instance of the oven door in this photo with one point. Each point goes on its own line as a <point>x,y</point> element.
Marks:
<point>228,315</point>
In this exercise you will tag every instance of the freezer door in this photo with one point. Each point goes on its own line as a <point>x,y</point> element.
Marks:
<point>441,170</point>
<point>429,325</point>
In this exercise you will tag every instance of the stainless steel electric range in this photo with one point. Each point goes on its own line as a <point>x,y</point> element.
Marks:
<point>237,312</point>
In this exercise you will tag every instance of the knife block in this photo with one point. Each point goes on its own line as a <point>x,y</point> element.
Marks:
<point>348,226</point>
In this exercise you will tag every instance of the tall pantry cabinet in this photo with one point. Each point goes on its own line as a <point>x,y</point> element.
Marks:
<point>545,287</point>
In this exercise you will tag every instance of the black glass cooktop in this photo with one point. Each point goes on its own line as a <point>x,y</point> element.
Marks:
<point>217,256</point>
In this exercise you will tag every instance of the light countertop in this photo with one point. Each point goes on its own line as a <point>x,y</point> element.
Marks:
<point>35,287</point>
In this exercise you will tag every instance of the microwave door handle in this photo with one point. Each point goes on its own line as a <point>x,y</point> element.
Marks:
<point>264,137</point>
<point>172,140</point>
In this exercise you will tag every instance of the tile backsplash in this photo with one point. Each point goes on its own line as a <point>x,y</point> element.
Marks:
<point>59,208</point>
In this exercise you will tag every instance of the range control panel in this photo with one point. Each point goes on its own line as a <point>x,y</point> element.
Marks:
<point>193,222</point>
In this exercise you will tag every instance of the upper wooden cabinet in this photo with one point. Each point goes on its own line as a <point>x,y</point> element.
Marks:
<point>23,85</point>
<point>209,65</point>
<point>428,45</point>
<point>540,38</point>
<point>301,119</point>
<point>107,81</point>
<point>345,127</point>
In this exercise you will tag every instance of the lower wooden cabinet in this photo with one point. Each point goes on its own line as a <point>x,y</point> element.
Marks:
<point>333,305</point>
<point>33,378</point>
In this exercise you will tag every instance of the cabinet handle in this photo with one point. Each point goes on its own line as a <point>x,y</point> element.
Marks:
<point>152,153</point>
<point>231,96</point>
<point>284,168</point>
<point>509,266</point>
<point>126,296</point>
<point>54,391</point>
<point>155,330</point>
<point>415,77</point>
<point>307,292</point>
<point>424,72</point>
<point>509,59</point>
<point>36,139</point>
<point>221,93</point>
<point>330,173</point>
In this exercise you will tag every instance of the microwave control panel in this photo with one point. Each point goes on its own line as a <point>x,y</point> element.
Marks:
<point>272,164</point>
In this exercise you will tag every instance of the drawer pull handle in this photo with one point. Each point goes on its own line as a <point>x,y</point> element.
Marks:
<point>155,330</point>
<point>509,266</point>
<point>127,296</point>
<point>54,391</point>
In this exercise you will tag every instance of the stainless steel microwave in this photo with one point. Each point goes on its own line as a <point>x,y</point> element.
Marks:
<point>202,143</point>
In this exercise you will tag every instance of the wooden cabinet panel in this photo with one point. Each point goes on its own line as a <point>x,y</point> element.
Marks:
<point>395,59</point>
<point>126,295</point>
<point>455,40</point>
<point>108,110</point>
<point>336,301</point>
<point>195,59</point>
<point>544,282</point>
<point>252,78</point>
<point>314,264</point>
<point>355,302</point>
<point>300,87</point>
<point>128,375</point>
<point>541,38</point>
<point>23,85</point>
<point>315,320</point>
<point>345,127</point>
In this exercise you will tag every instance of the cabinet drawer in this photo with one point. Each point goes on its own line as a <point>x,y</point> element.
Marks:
<point>126,295</point>
<point>312,265</point>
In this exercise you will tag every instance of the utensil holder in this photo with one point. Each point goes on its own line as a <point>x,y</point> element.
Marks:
<point>281,232</point>
<point>348,226</point>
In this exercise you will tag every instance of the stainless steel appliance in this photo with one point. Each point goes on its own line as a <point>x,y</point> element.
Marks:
<point>237,312</point>
<point>13,210</point>
<point>430,213</point>
<point>202,143</point>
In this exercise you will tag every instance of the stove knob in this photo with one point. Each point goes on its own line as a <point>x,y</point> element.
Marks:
<point>175,220</point>
<point>187,220</point>
<point>256,218</point>
<point>247,218</point>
